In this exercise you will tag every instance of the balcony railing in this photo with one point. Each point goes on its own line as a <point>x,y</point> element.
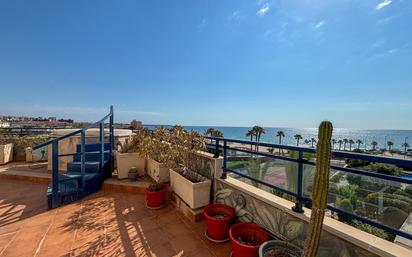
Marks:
<point>377,199</point>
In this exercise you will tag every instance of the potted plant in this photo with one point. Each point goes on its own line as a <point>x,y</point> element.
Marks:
<point>185,178</point>
<point>278,248</point>
<point>319,196</point>
<point>130,154</point>
<point>218,218</point>
<point>133,173</point>
<point>157,151</point>
<point>246,239</point>
<point>156,195</point>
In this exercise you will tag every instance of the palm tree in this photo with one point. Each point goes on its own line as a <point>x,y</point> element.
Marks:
<point>313,141</point>
<point>345,141</point>
<point>258,133</point>
<point>340,142</point>
<point>250,133</point>
<point>351,142</point>
<point>297,138</point>
<point>390,145</point>
<point>374,145</point>
<point>280,134</point>
<point>333,143</point>
<point>209,132</point>
<point>217,133</point>
<point>405,145</point>
<point>359,142</point>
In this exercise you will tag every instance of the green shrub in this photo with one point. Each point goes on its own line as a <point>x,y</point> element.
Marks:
<point>373,230</point>
<point>393,217</point>
<point>354,163</point>
<point>349,192</point>
<point>408,189</point>
<point>345,205</point>
<point>387,169</point>
<point>22,142</point>
<point>401,202</point>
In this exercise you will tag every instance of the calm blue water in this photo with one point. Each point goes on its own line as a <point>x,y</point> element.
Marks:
<point>367,136</point>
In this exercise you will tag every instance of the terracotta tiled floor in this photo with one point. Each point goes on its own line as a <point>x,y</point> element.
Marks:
<point>104,224</point>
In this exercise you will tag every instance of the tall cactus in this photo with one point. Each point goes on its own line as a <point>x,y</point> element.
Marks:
<point>320,188</point>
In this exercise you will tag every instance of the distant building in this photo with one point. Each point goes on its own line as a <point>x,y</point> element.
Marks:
<point>4,124</point>
<point>136,124</point>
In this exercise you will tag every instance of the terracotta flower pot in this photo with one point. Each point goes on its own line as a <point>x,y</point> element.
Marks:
<point>218,227</point>
<point>156,199</point>
<point>280,246</point>
<point>247,232</point>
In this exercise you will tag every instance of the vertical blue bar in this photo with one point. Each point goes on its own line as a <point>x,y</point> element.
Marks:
<point>224,175</point>
<point>111,128</point>
<point>55,175</point>
<point>216,148</point>
<point>298,204</point>
<point>83,158</point>
<point>101,140</point>
<point>300,174</point>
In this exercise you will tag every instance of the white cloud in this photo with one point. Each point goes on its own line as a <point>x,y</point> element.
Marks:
<point>383,4</point>
<point>320,24</point>
<point>263,10</point>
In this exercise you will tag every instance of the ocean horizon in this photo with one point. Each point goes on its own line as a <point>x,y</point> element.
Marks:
<point>381,136</point>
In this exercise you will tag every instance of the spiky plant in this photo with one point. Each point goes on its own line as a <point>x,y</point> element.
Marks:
<point>320,188</point>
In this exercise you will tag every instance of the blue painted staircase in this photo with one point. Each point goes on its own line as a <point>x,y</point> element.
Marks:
<point>92,164</point>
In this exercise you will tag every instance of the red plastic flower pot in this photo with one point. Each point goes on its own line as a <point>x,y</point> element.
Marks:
<point>156,199</point>
<point>250,233</point>
<point>218,227</point>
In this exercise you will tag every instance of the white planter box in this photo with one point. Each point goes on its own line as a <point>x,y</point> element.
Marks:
<point>196,195</point>
<point>6,153</point>
<point>125,161</point>
<point>157,171</point>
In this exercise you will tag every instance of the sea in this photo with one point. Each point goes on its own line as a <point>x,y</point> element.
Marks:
<point>381,136</point>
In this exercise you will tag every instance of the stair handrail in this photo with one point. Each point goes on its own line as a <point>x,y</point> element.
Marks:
<point>55,152</point>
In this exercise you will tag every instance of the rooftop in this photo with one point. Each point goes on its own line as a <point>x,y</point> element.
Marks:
<point>107,223</point>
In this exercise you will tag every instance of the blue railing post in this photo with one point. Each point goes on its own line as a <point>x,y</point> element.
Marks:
<point>101,141</point>
<point>298,205</point>
<point>111,128</point>
<point>83,158</point>
<point>55,174</point>
<point>216,148</point>
<point>224,175</point>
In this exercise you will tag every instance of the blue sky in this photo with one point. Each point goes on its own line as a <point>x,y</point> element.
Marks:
<point>285,63</point>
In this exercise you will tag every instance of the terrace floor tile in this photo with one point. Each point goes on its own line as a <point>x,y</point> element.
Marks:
<point>107,223</point>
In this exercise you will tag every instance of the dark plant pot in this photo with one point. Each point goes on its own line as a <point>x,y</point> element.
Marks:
<point>132,175</point>
<point>156,199</point>
<point>218,229</point>
<point>248,232</point>
<point>292,250</point>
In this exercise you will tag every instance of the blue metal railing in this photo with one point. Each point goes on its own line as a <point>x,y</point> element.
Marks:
<point>55,153</point>
<point>216,144</point>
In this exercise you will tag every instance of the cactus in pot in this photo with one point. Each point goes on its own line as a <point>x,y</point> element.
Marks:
<point>320,188</point>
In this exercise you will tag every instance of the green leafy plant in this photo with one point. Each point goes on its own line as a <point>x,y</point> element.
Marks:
<point>345,205</point>
<point>155,187</point>
<point>22,142</point>
<point>134,144</point>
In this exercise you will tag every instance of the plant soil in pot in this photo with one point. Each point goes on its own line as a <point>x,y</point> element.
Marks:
<point>277,248</point>
<point>156,195</point>
<point>218,219</point>
<point>246,239</point>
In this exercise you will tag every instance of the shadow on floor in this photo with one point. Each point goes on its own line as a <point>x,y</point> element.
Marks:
<point>20,200</point>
